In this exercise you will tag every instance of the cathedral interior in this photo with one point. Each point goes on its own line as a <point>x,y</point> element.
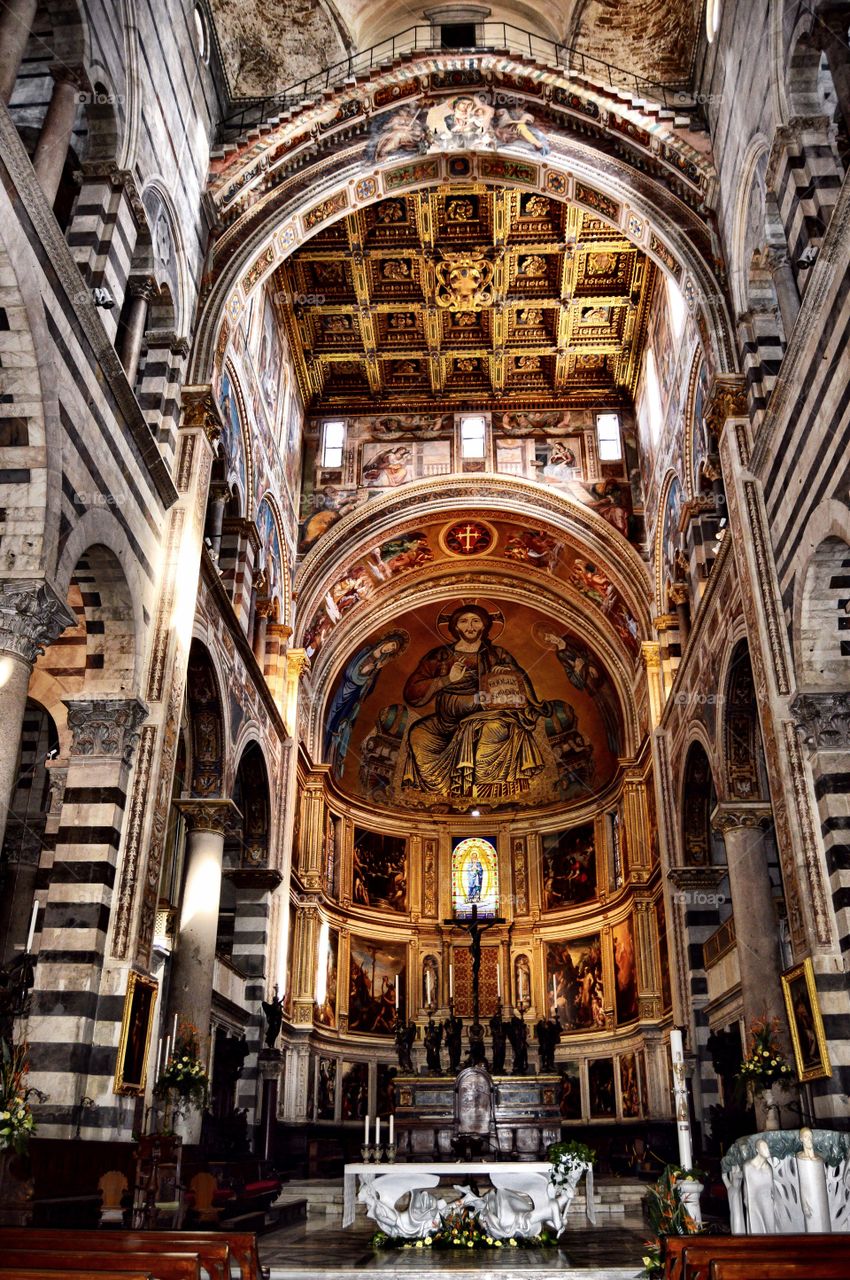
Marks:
<point>424,502</point>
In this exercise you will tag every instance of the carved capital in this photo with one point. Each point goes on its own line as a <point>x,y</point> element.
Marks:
<point>219,816</point>
<point>737,816</point>
<point>31,616</point>
<point>105,728</point>
<point>679,593</point>
<point>691,878</point>
<point>727,398</point>
<point>143,287</point>
<point>201,411</point>
<point>822,720</point>
<point>297,663</point>
<point>651,655</point>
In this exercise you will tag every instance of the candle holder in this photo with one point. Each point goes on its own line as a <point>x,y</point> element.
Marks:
<point>367,1152</point>
<point>390,1152</point>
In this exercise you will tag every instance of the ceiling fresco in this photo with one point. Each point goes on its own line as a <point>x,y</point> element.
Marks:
<point>472,702</point>
<point>466,296</point>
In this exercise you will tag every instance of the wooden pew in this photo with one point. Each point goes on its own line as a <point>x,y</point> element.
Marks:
<point>751,1269</point>
<point>207,1244</point>
<point>164,1266</point>
<point>212,1248</point>
<point>31,1273</point>
<point>690,1257</point>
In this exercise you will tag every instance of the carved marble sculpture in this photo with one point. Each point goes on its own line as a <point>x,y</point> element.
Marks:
<point>423,1214</point>
<point>811,1175</point>
<point>758,1180</point>
<point>786,1181</point>
<point>522,1204</point>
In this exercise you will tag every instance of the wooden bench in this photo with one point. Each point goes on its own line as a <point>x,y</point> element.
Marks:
<point>31,1273</point>
<point>740,1268</point>
<point>690,1257</point>
<point>211,1247</point>
<point>164,1266</point>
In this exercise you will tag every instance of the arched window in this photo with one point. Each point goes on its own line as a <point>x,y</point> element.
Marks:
<point>475,877</point>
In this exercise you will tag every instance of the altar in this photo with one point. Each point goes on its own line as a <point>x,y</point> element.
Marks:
<point>521,1201</point>
<point>525,1116</point>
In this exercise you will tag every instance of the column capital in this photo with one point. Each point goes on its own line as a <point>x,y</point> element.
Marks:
<point>297,663</point>
<point>265,608</point>
<point>650,652</point>
<point>105,728</point>
<point>201,412</point>
<point>143,287</point>
<point>76,75</point>
<point>679,593</point>
<point>727,398</point>
<point>822,719</point>
<point>32,616</point>
<point>690,878</point>
<point>218,816</point>
<point>741,815</point>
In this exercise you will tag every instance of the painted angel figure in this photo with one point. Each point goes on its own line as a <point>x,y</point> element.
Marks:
<point>513,124</point>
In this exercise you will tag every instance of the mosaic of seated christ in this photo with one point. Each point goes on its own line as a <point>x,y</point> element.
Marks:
<point>472,702</point>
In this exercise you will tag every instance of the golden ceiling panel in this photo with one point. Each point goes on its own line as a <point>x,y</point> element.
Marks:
<point>467,296</point>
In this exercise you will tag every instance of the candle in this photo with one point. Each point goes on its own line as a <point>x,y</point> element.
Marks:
<point>680,1099</point>
<point>392,1129</point>
<point>397,1005</point>
<point>377,1131</point>
<point>158,1057</point>
<point>451,980</point>
<point>429,978</point>
<point>498,980</point>
<point>554,994</point>
<point>31,933</point>
<point>174,1031</point>
<point>366,1132</point>
<point>167,1046</point>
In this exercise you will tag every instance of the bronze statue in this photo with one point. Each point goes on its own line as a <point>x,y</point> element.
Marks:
<point>273,1010</point>
<point>433,1043</point>
<point>405,1034</point>
<point>453,1028</point>
<point>497,1030</point>
<point>518,1036</point>
<point>548,1033</point>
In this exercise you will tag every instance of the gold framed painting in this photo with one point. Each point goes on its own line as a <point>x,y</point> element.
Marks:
<point>804,1019</point>
<point>136,1027</point>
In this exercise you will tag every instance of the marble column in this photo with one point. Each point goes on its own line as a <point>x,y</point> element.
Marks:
<point>743,827</point>
<point>16,19</point>
<point>219,494</point>
<point>680,595</point>
<point>787,294</point>
<point>263,611</point>
<point>208,822</point>
<point>130,349</point>
<point>31,616</point>
<point>51,150</point>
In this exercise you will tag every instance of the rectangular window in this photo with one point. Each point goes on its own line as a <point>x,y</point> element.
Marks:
<point>333,443</point>
<point>472,437</point>
<point>608,435</point>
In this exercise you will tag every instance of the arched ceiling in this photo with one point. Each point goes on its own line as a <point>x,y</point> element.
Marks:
<point>268,45</point>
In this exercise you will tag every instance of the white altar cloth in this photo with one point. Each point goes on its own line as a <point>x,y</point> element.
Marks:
<point>392,1181</point>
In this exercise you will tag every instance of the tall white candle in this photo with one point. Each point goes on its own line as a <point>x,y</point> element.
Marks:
<point>377,1131</point>
<point>167,1047</point>
<point>499,979</point>
<point>366,1132</point>
<point>158,1058</point>
<point>174,1031</point>
<point>680,1099</point>
<point>397,1005</point>
<point>392,1129</point>
<point>554,994</point>
<point>451,980</point>
<point>31,933</point>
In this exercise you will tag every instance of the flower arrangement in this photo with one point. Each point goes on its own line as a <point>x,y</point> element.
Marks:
<point>764,1064</point>
<point>568,1159</point>
<point>461,1229</point>
<point>184,1079</point>
<point>17,1124</point>
<point>667,1217</point>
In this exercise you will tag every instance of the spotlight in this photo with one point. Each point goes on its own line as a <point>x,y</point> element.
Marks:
<point>475,813</point>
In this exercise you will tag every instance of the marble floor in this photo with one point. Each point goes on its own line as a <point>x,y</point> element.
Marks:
<point>317,1249</point>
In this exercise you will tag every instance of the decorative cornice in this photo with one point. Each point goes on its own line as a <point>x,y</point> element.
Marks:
<point>86,320</point>
<point>105,728</point>
<point>822,720</point>
<point>740,815</point>
<point>727,398</point>
<point>264,879</point>
<point>691,878</point>
<point>32,616</point>
<point>219,816</point>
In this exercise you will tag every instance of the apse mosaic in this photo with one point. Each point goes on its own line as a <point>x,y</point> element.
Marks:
<point>574,983</point>
<point>507,711</point>
<point>569,866</point>
<point>377,977</point>
<point>475,877</point>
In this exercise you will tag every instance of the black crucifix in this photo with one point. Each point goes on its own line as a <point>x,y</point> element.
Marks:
<point>475,928</point>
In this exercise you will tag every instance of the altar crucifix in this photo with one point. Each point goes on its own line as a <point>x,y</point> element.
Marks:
<point>476,929</point>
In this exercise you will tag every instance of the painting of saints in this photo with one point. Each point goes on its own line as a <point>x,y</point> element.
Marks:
<point>625,972</point>
<point>359,680</point>
<point>387,469</point>
<point>479,740</point>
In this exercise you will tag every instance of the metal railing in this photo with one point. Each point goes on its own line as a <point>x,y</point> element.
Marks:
<point>492,37</point>
<point>721,941</point>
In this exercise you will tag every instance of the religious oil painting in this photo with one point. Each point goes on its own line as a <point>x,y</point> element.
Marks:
<point>629,1087</point>
<point>379,871</point>
<point>569,866</point>
<point>139,1004</point>
<point>475,876</point>
<point>574,983</point>
<point>326,991</point>
<point>569,1098</point>
<point>354,1090</point>
<point>600,1080</point>
<point>804,1018</point>
<point>625,972</point>
<point>385,1098</point>
<point>472,703</point>
<point>326,1080</point>
<point>377,971</point>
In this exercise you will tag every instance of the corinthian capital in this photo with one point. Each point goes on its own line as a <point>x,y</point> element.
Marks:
<point>31,616</point>
<point>823,719</point>
<point>200,409</point>
<point>219,816</point>
<point>727,398</point>
<point>105,727</point>
<point>732,817</point>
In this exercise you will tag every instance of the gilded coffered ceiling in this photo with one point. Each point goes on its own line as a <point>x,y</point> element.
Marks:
<point>469,296</point>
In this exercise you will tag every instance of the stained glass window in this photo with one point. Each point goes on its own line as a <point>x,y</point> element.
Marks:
<point>475,877</point>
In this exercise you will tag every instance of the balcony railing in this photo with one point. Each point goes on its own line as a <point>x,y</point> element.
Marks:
<point>492,37</point>
<point>721,941</point>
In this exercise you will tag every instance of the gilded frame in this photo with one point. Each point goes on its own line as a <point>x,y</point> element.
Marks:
<point>804,1019</point>
<point>136,1028</point>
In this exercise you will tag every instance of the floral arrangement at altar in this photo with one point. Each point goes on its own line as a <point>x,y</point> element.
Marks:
<point>17,1124</point>
<point>461,1228</point>
<point>764,1064</point>
<point>569,1161</point>
<point>183,1081</point>
<point>667,1217</point>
